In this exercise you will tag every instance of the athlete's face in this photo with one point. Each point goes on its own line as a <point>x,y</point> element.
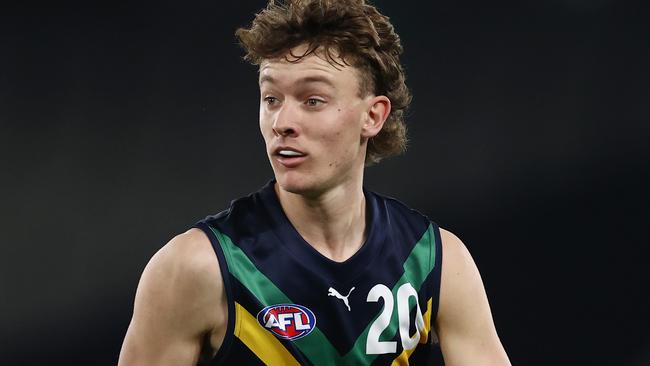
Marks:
<point>315,122</point>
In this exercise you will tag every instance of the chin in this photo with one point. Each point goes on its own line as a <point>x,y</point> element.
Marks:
<point>297,183</point>
<point>290,183</point>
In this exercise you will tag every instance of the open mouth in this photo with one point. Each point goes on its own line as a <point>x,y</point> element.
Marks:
<point>290,153</point>
<point>289,157</point>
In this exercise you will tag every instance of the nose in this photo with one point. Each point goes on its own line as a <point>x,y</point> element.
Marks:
<point>286,121</point>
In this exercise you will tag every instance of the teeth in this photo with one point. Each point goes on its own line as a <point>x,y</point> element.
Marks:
<point>289,153</point>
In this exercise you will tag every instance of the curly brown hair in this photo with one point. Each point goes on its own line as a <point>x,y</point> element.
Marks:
<point>352,31</point>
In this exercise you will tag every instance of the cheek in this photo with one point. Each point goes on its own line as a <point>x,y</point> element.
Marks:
<point>347,128</point>
<point>265,126</point>
<point>342,140</point>
<point>262,119</point>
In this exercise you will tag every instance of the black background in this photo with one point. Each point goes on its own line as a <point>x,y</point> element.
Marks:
<point>122,123</point>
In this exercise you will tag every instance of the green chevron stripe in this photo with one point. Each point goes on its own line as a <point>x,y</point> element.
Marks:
<point>417,267</point>
<point>316,347</point>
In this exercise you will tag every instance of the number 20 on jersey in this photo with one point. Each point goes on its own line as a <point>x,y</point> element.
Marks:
<point>404,293</point>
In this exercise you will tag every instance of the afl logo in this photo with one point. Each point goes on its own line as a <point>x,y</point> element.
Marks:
<point>287,321</point>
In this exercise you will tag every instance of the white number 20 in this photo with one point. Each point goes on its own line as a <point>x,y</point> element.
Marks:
<point>373,344</point>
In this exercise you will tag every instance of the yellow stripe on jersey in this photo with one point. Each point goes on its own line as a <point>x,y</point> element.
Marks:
<point>263,344</point>
<point>403,358</point>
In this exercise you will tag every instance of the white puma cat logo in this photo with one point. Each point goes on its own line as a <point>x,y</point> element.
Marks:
<point>333,292</point>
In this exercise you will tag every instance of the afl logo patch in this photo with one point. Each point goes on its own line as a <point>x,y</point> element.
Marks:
<point>287,321</point>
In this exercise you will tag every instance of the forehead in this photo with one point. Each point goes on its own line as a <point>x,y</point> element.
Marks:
<point>313,68</point>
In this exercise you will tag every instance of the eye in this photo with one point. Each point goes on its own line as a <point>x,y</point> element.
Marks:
<point>270,100</point>
<point>314,102</point>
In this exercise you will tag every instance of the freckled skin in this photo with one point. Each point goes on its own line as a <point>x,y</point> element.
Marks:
<point>329,133</point>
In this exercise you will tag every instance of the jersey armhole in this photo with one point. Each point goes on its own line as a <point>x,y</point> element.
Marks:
<point>436,254</point>
<point>230,300</point>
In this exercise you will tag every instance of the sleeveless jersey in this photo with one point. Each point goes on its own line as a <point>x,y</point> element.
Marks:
<point>290,305</point>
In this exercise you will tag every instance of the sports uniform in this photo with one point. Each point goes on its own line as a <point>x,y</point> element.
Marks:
<point>290,305</point>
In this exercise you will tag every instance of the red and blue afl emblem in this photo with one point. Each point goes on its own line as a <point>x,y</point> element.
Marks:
<point>287,321</point>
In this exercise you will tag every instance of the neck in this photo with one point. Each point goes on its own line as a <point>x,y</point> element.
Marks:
<point>334,222</point>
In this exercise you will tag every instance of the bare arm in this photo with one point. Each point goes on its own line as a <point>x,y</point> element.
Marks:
<point>179,305</point>
<point>464,322</point>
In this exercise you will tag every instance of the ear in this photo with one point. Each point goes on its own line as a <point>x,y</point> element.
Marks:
<point>378,111</point>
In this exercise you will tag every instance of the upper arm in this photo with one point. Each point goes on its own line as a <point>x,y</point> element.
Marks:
<point>465,326</point>
<point>179,304</point>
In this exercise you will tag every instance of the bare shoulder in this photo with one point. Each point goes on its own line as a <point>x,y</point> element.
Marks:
<point>187,271</point>
<point>179,305</point>
<point>187,256</point>
<point>460,280</point>
<point>454,249</point>
<point>458,266</point>
<point>464,321</point>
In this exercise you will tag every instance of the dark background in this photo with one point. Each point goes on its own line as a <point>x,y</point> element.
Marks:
<point>122,123</point>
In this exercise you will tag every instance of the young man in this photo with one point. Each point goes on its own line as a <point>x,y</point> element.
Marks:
<point>313,269</point>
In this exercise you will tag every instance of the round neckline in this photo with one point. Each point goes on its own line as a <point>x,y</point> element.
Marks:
<point>306,254</point>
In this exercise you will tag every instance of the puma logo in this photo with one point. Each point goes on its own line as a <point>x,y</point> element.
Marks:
<point>333,292</point>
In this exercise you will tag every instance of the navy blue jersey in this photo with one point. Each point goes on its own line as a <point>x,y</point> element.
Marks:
<point>290,305</point>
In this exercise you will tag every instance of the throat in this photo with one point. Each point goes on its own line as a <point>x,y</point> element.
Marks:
<point>337,252</point>
<point>337,240</point>
<point>334,226</point>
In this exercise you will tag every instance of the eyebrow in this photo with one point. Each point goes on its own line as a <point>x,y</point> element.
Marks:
<point>304,80</point>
